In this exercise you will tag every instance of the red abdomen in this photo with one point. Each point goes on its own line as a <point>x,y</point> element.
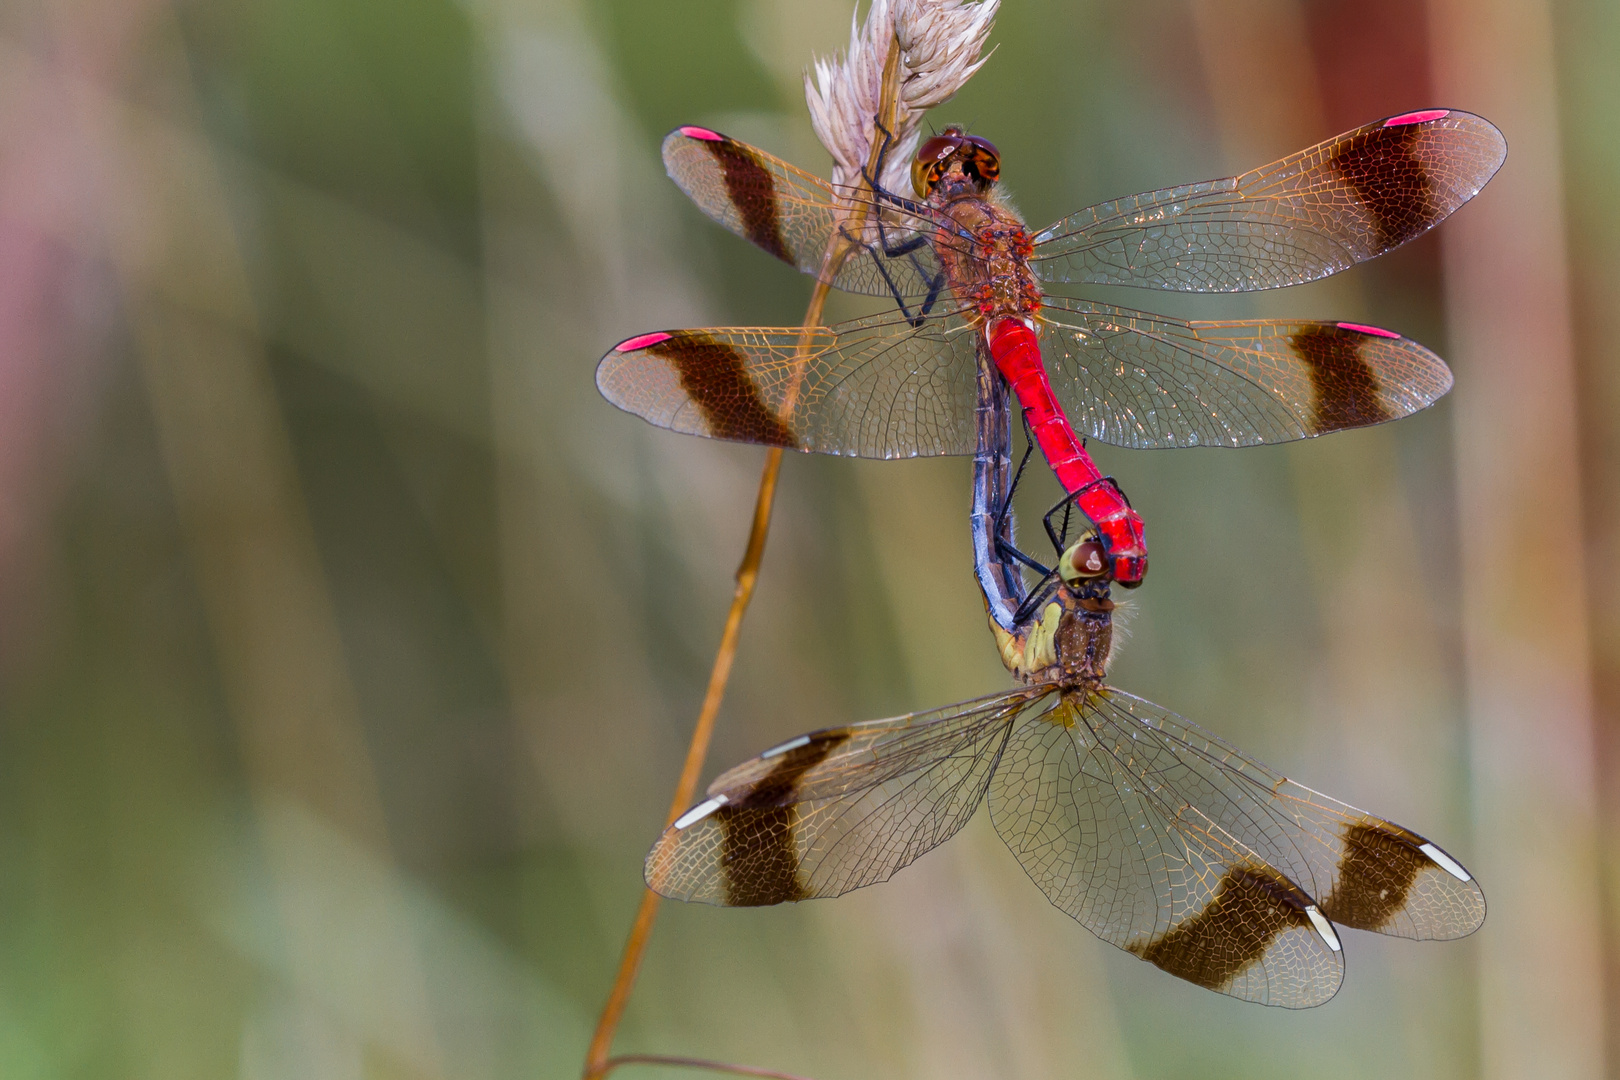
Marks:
<point>1017,353</point>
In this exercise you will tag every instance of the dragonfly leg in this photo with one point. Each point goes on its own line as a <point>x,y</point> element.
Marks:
<point>894,251</point>
<point>883,195</point>
<point>936,284</point>
<point>894,290</point>
<point>1069,503</point>
<point>935,287</point>
<point>1010,551</point>
<point>888,138</point>
<point>1066,506</point>
<point>906,246</point>
<point>1037,597</point>
<point>1029,448</point>
<point>1004,545</point>
<point>879,192</point>
<point>882,154</point>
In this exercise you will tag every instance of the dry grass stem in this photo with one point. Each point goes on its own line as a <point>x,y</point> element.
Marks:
<point>909,56</point>
<point>699,1063</point>
<point>940,41</point>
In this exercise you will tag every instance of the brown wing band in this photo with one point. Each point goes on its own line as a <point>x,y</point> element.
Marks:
<point>715,376</point>
<point>759,855</point>
<point>1345,388</point>
<point>1251,906</point>
<point>1376,871</point>
<point>753,193</point>
<point>1390,181</point>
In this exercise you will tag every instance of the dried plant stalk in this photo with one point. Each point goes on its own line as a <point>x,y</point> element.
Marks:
<point>701,1063</point>
<point>908,56</point>
<point>939,49</point>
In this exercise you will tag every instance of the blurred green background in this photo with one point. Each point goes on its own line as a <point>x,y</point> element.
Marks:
<point>349,642</point>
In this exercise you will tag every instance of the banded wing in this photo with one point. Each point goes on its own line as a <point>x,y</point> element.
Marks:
<point>1173,845</point>
<point>1309,215</point>
<point>876,387</point>
<point>795,216</point>
<point>1105,829</point>
<point>836,809</point>
<point>1148,381</point>
<point>1365,872</point>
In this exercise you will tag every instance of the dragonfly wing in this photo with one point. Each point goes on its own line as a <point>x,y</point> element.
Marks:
<point>836,809</point>
<point>1148,381</point>
<point>876,387</point>
<point>1311,214</point>
<point>1365,872</point>
<point>796,216</point>
<point>1115,845</point>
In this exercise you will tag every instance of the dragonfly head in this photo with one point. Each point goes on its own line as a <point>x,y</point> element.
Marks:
<point>969,161</point>
<point>1082,560</point>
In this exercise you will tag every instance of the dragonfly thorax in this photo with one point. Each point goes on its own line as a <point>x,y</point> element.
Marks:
<point>1085,636</point>
<point>1068,641</point>
<point>984,249</point>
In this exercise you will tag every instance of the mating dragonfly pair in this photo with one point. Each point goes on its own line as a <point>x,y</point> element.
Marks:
<point>1150,832</point>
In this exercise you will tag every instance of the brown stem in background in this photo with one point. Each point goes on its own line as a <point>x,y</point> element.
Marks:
<point>597,1062</point>
<point>697,1063</point>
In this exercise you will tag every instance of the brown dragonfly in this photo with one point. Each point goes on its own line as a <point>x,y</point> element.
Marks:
<point>968,283</point>
<point>1152,833</point>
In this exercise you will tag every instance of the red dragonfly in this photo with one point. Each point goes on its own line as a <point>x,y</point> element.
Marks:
<point>1152,833</point>
<point>968,281</point>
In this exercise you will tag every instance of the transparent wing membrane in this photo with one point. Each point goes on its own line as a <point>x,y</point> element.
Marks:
<point>1152,833</point>
<point>876,387</point>
<point>1148,381</point>
<point>1113,844</point>
<point>1363,871</point>
<point>796,216</point>
<point>1304,217</point>
<point>837,809</point>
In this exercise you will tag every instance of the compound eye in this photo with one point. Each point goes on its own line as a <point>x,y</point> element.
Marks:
<point>939,147</point>
<point>928,165</point>
<point>985,159</point>
<point>1084,560</point>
